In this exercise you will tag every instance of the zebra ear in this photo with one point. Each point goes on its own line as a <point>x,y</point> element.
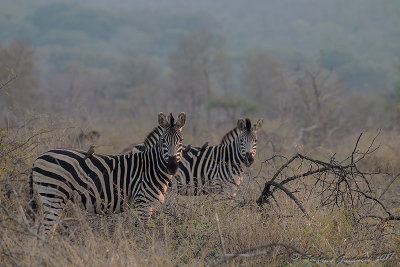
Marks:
<point>258,125</point>
<point>181,120</point>
<point>241,124</point>
<point>162,120</point>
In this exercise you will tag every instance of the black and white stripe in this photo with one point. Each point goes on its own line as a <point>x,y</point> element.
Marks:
<point>105,184</point>
<point>220,168</point>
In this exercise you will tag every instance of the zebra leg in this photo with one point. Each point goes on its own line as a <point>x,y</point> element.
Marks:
<point>231,192</point>
<point>144,209</point>
<point>235,186</point>
<point>233,189</point>
<point>53,209</point>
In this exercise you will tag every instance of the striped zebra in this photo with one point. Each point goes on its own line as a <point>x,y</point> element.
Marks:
<point>208,169</point>
<point>106,184</point>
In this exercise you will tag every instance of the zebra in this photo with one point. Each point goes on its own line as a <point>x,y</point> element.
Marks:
<point>208,169</point>
<point>106,184</point>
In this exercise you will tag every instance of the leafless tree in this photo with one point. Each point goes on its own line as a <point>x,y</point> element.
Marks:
<point>199,67</point>
<point>316,104</point>
<point>264,81</point>
<point>18,59</point>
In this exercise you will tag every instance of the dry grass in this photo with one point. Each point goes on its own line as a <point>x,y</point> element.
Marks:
<point>184,231</point>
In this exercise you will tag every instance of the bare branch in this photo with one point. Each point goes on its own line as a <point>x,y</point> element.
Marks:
<point>244,253</point>
<point>12,77</point>
<point>287,192</point>
<point>339,183</point>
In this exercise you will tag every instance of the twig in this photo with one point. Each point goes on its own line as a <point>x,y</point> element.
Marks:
<point>244,253</point>
<point>248,255</point>
<point>220,234</point>
<point>387,188</point>
<point>10,79</point>
<point>281,187</point>
<point>57,222</point>
<point>385,219</point>
<point>22,225</point>
<point>21,211</point>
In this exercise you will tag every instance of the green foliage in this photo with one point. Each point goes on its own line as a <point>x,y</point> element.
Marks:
<point>13,26</point>
<point>360,76</point>
<point>290,56</point>
<point>67,17</point>
<point>154,30</point>
<point>5,82</point>
<point>77,25</point>
<point>184,20</point>
<point>356,73</point>
<point>64,37</point>
<point>334,58</point>
<point>60,58</point>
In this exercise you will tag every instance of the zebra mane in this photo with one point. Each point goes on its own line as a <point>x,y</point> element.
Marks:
<point>230,135</point>
<point>152,137</point>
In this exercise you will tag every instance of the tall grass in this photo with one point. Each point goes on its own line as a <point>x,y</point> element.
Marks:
<point>184,230</point>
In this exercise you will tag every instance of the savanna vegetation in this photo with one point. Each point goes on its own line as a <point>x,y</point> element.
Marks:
<point>324,76</point>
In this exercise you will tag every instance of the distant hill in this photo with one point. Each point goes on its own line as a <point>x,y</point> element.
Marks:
<point>100,32</point>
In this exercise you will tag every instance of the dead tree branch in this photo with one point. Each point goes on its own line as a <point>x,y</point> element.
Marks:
<point>290,194</point>
<point>336,182</point>
<point>245,252</point>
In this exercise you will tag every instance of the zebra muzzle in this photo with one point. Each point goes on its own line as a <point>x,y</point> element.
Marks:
<point>172,165</point>
<point>249,159</point>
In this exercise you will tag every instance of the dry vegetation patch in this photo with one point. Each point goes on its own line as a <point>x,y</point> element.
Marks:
<point>185,231</point>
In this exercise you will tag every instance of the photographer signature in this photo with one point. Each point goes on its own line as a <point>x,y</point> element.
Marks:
<point>342,259</point>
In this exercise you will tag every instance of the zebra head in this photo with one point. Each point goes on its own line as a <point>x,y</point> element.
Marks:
<point>170,141</point>
<point>248,139</point>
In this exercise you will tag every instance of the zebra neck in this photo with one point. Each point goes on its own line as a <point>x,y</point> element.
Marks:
<point>161,178</point>
<point>230,136</point>
<point>159,159</point>
<point>152,138</point>
<point>152,174</point>
<point>238,160</point>
<point>228,161</point>
<point>153,158</point>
